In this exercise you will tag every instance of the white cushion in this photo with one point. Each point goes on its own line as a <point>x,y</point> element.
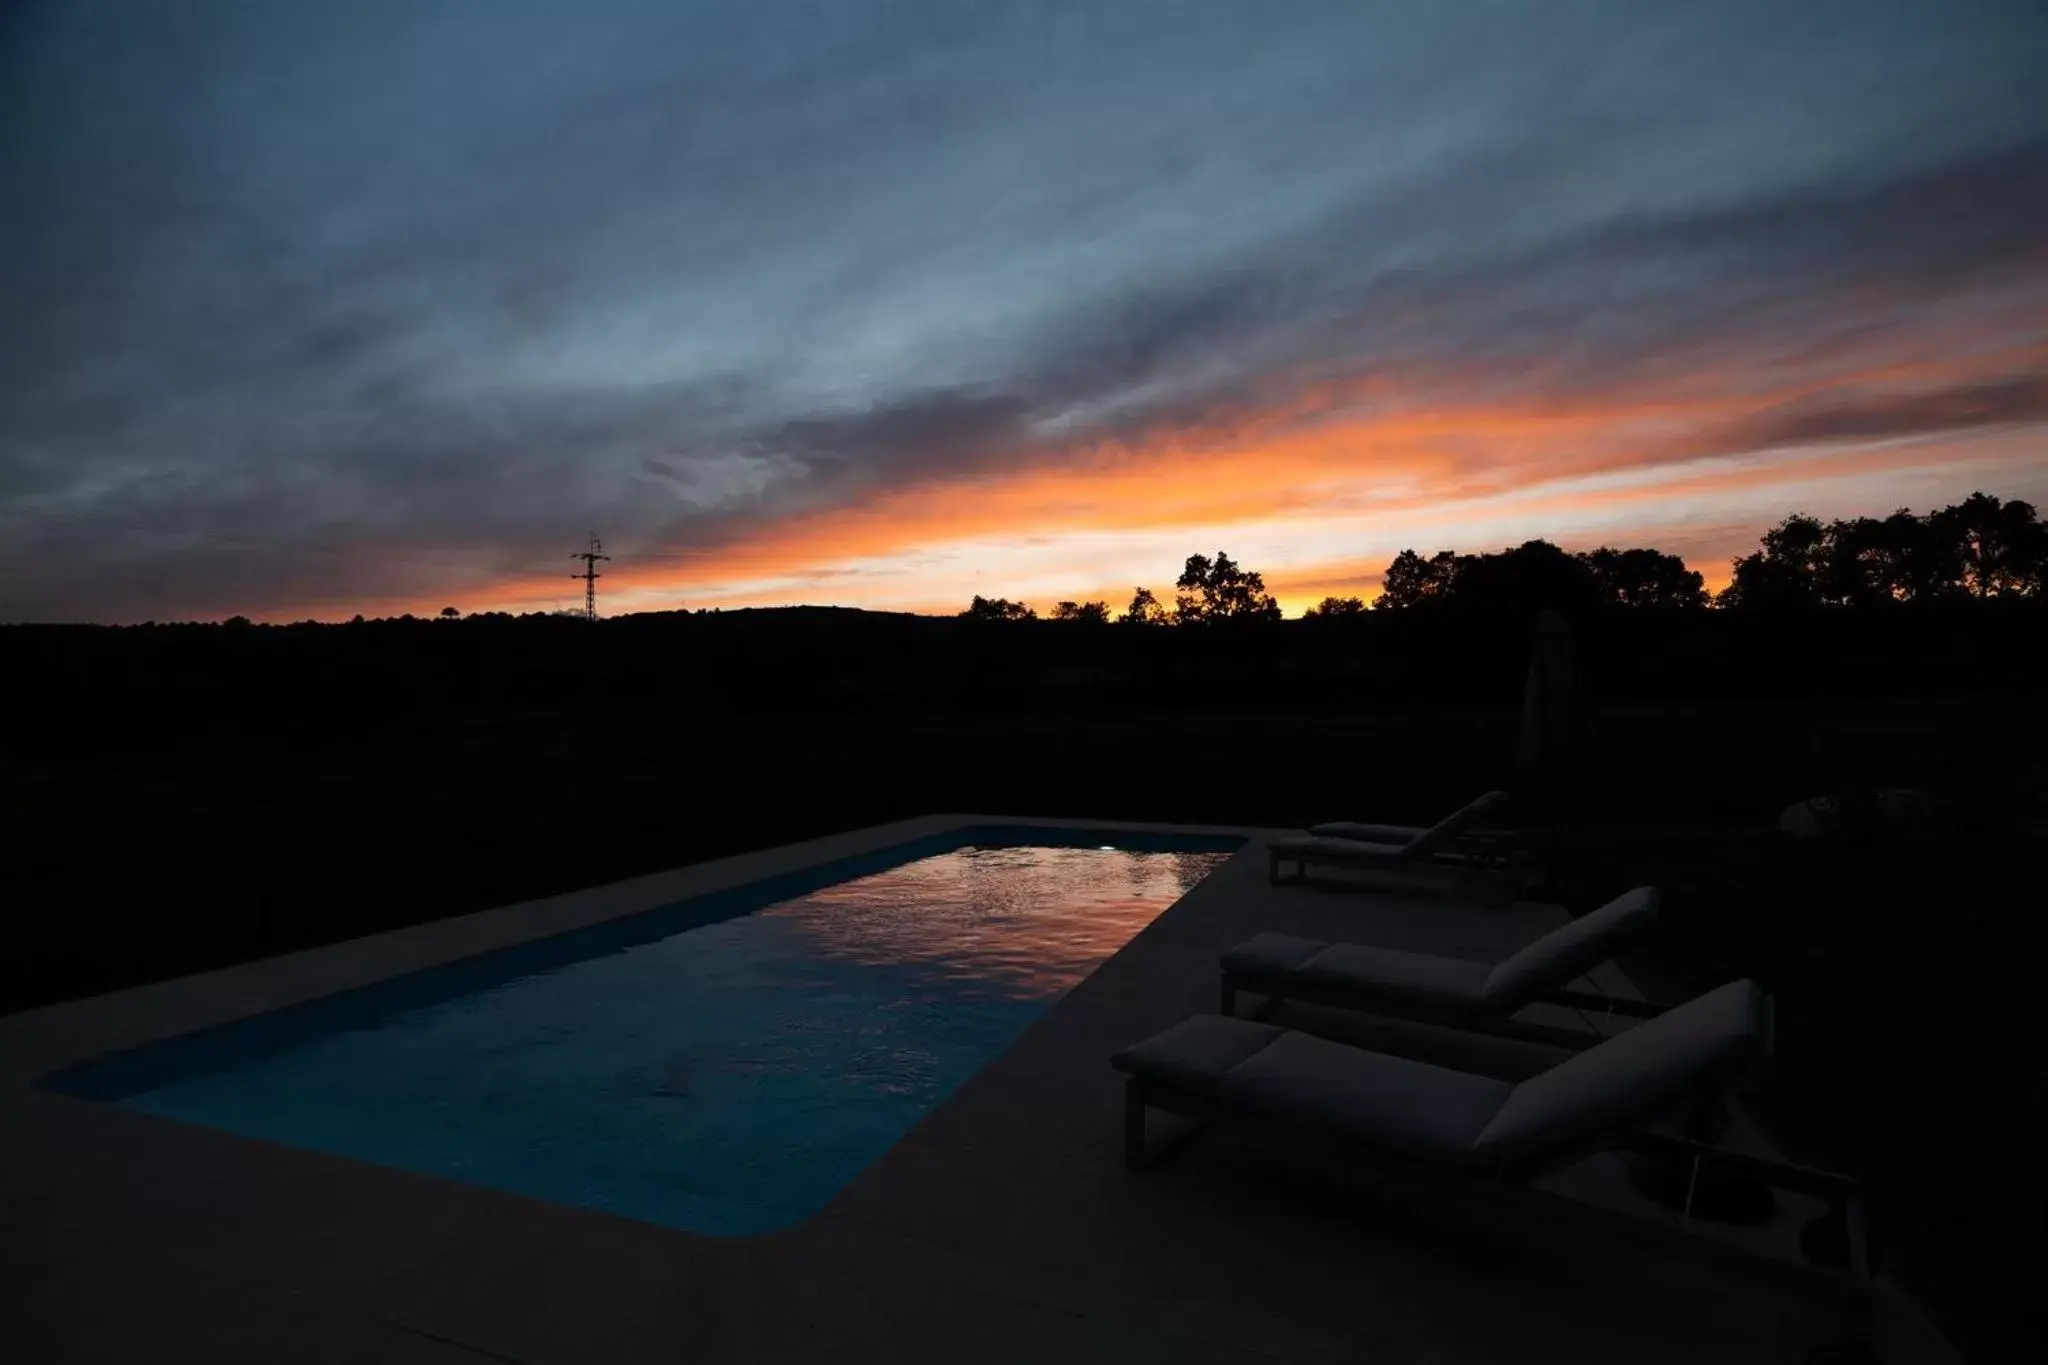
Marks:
<point>1271,954</point>
<point>1371,834</point>
<point>1281,960</point>
<point>1320,850</point>
<point>1454,824</point>
<point>1632,1078</point>
<point>1197,1051</point>
<point>1567,952</point>
<point>1390,1101</point>
<point>1423,977</point>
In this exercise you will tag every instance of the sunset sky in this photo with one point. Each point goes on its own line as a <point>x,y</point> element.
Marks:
<point>378,305</point>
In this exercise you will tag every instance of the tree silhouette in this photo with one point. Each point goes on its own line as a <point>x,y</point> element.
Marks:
<point>1644,578</point>
<point>2001,549</point>
<point>998,609</point>
<point>1978,548</point>
<point>1143,611</point>
<point>449,613</point>
<point>1867,562</point>
<point>1524,580</point>
<point>1412,581</point>
<point>1335,606</point>
<point>1537,574</point>
<point>1213,591</point>
<point>1785,572</point>
<point>1086,613</point>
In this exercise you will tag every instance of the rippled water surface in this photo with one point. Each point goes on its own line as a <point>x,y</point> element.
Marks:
<point>727,1078</point>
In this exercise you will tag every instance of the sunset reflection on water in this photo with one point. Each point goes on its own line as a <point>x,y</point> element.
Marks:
<point>728,1076</point>
<point>1027,921</point>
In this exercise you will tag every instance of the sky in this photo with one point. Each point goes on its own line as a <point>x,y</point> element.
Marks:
<point>374,306</point>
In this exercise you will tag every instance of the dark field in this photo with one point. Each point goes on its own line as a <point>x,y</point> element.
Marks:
<point>181,798</point>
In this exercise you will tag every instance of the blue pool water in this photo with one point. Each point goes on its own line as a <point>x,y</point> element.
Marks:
<point>724,1065</point>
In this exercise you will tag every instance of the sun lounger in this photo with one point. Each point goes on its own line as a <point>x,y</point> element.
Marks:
<point>1422,1119</point>
<point>1478,838</point>
<point>1449,990</point>
<point>1438,849</point>
<point>1252,1074</point>
<point>1436,1124</point>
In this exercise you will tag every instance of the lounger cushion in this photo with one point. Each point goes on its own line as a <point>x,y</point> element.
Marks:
<point>1371,834</point>
<point>1280,959</point>
<point>1197,1051</point>
<point>1389,1101</point>
<point>1310,848</point>
<point>1459,819</point>
<point>1632,1078</point>
<point>1568,952</point>
<point>1454,824</point>
<point>1272,954</point>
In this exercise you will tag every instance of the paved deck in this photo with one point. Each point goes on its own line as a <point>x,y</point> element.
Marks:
<point>1004,1227</point>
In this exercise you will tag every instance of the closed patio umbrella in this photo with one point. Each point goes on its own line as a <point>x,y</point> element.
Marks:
<point>1549,712</point>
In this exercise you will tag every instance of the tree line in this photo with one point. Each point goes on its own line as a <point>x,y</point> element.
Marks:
<point>1208,591</point>
<point>1980,548</point>
<point>1976,549</point>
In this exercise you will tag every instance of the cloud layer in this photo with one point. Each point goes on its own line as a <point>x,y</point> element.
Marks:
<point>319,308</point>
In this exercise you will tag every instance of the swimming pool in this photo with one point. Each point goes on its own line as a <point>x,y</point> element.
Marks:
<point>722,1065</point>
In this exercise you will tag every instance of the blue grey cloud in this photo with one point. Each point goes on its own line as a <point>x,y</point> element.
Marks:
<point>327,300</point>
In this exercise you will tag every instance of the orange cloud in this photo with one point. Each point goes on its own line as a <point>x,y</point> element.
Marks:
<point>1327,485</point>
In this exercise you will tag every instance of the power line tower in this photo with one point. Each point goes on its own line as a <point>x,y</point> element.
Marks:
<point>590,575</point>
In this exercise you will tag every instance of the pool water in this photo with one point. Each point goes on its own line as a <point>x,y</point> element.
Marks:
<point>727,1077</point>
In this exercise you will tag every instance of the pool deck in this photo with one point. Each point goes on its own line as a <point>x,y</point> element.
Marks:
<point>1004,1227</point>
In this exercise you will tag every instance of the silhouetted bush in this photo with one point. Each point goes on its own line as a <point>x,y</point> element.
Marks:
<point>998,609</point>
<point>1082,613</point>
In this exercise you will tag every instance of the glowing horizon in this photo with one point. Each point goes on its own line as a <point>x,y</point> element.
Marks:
<point>877,581</point>
<point>1099,526</point>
